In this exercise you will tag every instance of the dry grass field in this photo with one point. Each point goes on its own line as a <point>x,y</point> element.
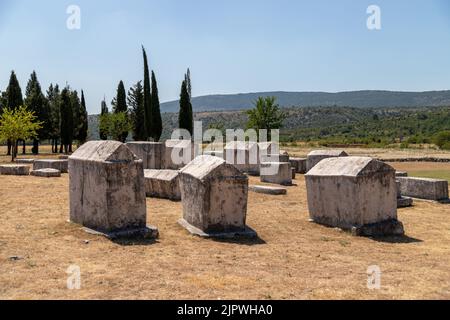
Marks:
<point>291,259</point>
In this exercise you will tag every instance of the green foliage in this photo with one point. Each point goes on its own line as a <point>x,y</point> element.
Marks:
<point>137,114</point>
<point>442,140</point>
<point>18,124</point>
<point>115,124</point>
<point>103,130</point>
<point>120,107</point>
<point>147,97</point>
<point>185,116</point>
<point>265,115</point>
<point>66,123</point>
<point>156,128</point>
<point>14,97</point>
<point>53,98</point>
<point>82,129</point>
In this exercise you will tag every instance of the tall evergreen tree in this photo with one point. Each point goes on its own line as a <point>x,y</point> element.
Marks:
<point>156,130</point>
<point>137,114</point>
<point>53,98</point>
<point>104,111</point>
<point>66,124</point>
<point>76,109</point>
<point>14,98</point>
<point>185,119</point>
<point>121,106</point>
<point>82,121</point>
<point>187,78</point>
<point>147,97</point>
<point>36,102</point>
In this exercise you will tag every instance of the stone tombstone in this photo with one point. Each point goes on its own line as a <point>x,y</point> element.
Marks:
<point>151,153</point>
<point>299,164</point>
<point>214,198</point>
<point>314,157</point>
<point>46,173</point>
<point>424,188</point>
<point>58,164</point>
<point>162,184</point>
<point>402,202</point>
<point>244,155</point>
<point>354,193</point>
<point>14,169</point>
<point>107,192</point>
<point>178,153</point>
<point>276,172</point>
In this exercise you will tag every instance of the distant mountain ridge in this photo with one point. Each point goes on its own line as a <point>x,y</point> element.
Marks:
<point>358,99</point>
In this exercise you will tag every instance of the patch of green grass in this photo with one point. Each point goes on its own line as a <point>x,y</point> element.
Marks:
<point>434,174</point>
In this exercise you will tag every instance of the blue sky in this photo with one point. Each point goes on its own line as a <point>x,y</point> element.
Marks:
<point>231,46</point>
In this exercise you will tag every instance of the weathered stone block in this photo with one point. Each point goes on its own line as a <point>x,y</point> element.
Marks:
<point>162,184</point>
<point>275,158</point>
<point>402,202</point>
<point>25,161</point>
<point>151,153</point>
<point>354,193</point>
<point>214,196</point>
<point>14,169</point>
<point>268,190</point>
<point>424,188</point>
<point>293,173</point>
<point>276,172</point>
<point>61,165</point>
<point>107,191</point>
<point>314,157</point>
<point>46,173</point>
<point>299,164</point>
<point>244,155</point>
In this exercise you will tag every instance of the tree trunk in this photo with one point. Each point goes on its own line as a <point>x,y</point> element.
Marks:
<point>61,148</point>
<point>13,150</point>
<point>70,148</point>
<point>23,147</point>
<point>35,149</point>
<point>9,148</point>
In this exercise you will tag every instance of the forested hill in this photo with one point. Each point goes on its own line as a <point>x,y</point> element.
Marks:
<point>363,99</point>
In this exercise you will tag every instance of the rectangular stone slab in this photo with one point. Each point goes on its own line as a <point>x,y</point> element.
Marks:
<point>162,184</point>
<point>424,188</point>
<point>276,172</point>
<point>299,164</point>
<point>61,165</point>
<point>15,169</point>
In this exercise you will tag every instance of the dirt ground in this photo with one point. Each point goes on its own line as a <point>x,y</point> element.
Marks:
<point>291,259</point>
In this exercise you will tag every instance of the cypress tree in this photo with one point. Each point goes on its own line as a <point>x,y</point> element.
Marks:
<point>185,120</point>
<point>76,109</point>
<point>147,98</point>
<point>121,106</point>
<point>66,127</point>
<point>14,98</point>
<point>187,77</point>
<point>136,104</point>
<point>36,102</point>
<point>83,121</point>
<point>104,111</point>
<point>156,112</point>
<point>53,98</point>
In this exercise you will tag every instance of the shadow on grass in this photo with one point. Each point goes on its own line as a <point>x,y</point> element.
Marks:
<point>396,239</point>
<point>255,241</point>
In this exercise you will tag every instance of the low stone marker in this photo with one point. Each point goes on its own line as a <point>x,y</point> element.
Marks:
<point>61,165</point>
<point>151,153</point>
<point>276,172</point>
<point>24,161</point>
<point>107,192</point>
<point>268,190</point>
<point>354,193</point>
<point>314,157</point>
<point>402,202</point>
<point>294,171</point>
<point>299,164</point>
<point>46,173</point>
<point>14,170</point>
<point>424,188</point>
<point>214,197</point>
<point>244,155</point>
<point>162,184</point>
